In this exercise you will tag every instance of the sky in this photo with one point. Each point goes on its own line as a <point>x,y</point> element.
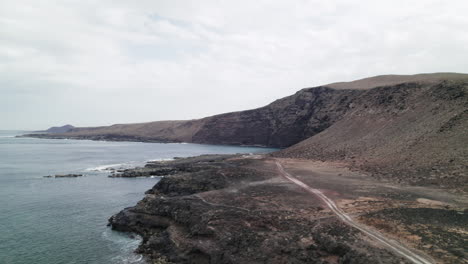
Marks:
<point>101,62</point>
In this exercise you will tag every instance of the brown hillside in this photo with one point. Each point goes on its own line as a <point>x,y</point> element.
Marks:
<point>411,132</point>
<point>387,80</point>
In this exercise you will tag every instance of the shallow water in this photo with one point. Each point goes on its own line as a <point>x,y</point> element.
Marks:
<point>50,221</point>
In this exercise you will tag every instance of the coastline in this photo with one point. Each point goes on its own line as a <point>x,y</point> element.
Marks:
<point>119,138</point>
<point>110,138</point>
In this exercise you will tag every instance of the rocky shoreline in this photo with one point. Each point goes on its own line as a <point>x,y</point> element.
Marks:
<point>234,209</point>
<point>109,137</point>
<point>170,167</point>
<point>64,176</point>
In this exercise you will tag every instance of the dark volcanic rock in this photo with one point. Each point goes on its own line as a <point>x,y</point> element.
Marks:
<point>103,137</point>
<point>64,176</point>
<point>441,231</point>
<point>281,123</point>
<point>234,212</point>
<point>170,167</point>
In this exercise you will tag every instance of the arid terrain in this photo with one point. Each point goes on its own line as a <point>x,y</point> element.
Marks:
<point>244,210</point>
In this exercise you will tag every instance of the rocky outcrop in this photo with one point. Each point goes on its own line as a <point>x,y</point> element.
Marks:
<point>170,167</point>
<point>280,124</point>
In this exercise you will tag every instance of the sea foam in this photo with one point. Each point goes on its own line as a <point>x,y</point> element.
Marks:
<point>107,167</point>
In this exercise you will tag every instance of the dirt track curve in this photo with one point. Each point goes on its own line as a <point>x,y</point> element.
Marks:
<point>390,244</point>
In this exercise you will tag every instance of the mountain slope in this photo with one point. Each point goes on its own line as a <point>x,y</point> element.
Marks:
<point>393,79</point>
<point>411,132</point>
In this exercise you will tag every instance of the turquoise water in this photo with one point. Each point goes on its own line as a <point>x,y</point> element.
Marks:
<point>51,221</point>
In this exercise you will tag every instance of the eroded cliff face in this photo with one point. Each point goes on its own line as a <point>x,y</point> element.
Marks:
<point>282,123</point>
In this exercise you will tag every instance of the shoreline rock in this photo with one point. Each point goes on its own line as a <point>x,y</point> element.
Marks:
<point>64,176</point>
<point>111,138</point>
<point>170,167</point>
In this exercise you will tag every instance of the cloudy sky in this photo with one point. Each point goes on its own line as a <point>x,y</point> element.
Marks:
<point>102,62</point>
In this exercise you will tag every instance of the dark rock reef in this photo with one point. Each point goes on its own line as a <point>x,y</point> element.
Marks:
<point>64,176</point>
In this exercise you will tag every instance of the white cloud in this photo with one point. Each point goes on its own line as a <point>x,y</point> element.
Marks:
<point>102,62</point>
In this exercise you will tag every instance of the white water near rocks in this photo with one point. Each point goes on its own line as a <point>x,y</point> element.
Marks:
<point>55,221</point>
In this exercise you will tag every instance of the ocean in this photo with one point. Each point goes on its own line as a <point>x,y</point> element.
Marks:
<point>63,220</point>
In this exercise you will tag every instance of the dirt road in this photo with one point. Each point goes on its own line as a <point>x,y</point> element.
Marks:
<point>390,244</point>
